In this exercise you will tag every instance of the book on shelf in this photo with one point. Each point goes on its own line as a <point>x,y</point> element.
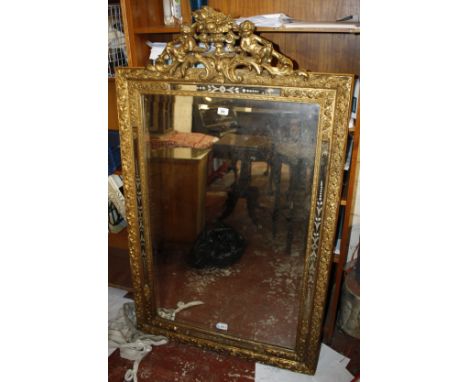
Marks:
<point>355,98</point>
<point>349,152</point>
<point>339,232</point>
<point>347,166</point>
<point>354,104</point>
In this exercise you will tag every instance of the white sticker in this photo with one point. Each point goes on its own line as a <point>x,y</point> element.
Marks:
<point>223,111</point>
<point>221,326</point>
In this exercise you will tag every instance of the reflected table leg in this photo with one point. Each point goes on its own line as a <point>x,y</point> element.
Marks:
<point>276,177</point>
<point>292,203</point>
<point>239,189</point>
<point>297,195</point>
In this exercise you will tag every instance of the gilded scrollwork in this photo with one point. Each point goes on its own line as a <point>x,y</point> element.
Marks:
<point>210,44</point>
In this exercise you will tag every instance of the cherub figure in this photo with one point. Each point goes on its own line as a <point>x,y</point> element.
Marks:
<point>185,43</point>
<point>261,49</point>
<point>258,47</point>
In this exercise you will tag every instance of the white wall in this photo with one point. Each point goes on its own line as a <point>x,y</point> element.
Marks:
<point>183,114</point>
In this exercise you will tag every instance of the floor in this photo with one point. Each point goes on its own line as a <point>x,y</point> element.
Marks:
<point>262,287</point>
<point>183,363</point>
<point>259,287</point>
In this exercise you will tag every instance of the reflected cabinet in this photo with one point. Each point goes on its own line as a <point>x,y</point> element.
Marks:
<point>232,163</point>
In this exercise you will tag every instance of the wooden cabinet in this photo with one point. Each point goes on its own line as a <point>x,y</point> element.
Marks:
<point>177,194</point>
<point>316,49</point>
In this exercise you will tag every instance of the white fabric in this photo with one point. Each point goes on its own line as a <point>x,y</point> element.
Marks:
<point>169,314</point>
<point>134,345</point>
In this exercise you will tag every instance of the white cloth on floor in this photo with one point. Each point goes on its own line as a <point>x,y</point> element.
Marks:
<point>134,345</point>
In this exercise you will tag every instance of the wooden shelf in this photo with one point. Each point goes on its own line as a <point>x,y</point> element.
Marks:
<point>157,29</point>
<point>175,29</point>
<point>317,29</point>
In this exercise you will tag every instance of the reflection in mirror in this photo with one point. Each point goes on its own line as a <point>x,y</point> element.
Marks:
<point>229,194</point>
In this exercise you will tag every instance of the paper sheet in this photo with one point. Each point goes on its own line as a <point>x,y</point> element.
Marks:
<point>331,368</point>
<point>320,25</point>
<point>156,49</point>
<point>273,20</point>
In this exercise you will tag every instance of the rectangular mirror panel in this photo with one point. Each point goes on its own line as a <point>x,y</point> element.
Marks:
<point>229,189</point>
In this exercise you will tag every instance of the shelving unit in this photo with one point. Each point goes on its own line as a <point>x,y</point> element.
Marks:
<point>315,49</point>
<point>333,50</point>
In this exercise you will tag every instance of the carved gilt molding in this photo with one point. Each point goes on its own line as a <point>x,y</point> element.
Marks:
<point>216,44</point>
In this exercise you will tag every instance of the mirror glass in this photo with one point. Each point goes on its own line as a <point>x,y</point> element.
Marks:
<point>229,192</point>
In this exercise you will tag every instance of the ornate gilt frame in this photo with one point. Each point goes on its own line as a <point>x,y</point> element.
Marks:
<point>251,70</point>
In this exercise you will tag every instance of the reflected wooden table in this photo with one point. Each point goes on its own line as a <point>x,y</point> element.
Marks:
<point>246,149</point>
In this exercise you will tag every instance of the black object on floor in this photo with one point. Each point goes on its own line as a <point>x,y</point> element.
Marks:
<point>219,245</point>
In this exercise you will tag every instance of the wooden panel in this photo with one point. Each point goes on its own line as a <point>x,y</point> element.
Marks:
<point>146,12</point>
<point>127,18</point>
<point>325,10</point>
<point>186,11</point>
<point>320,52</point>
<point>118,240</point>
<point>112,121</point>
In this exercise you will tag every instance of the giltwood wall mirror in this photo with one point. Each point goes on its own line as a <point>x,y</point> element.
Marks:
<point>232,165</point>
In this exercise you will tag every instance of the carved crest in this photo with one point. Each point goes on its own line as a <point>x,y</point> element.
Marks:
<point>216,44</point>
